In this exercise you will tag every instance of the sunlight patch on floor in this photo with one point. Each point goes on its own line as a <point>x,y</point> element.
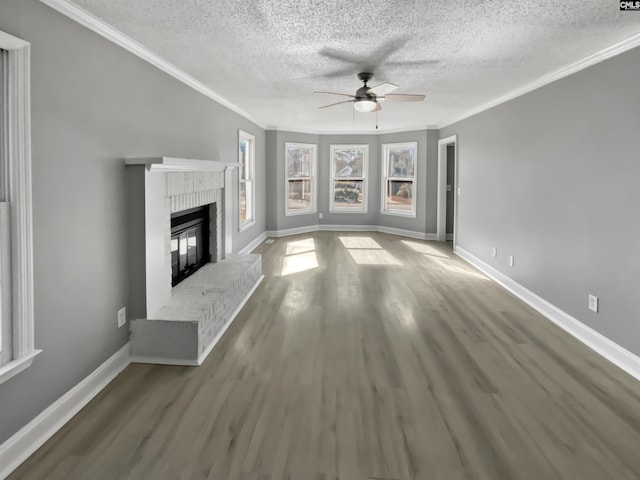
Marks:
<point>373,257</point>
<point>366,251</point>
<point>460,270</point>
<point>301,246</point>
<point>359,242</point>
<point>424,248</point>
<point>299,263</point>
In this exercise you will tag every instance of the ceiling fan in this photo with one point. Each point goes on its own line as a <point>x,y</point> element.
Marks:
<point>367,99</point>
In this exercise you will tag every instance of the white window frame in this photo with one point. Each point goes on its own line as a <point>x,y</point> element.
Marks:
<point>386,148</point>
<point>364,178</point>
<point>250,220</point>
<point>16,257</point>
<point>313,177</point>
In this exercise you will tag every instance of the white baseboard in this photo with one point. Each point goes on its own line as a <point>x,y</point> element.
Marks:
<point>254,243</point>
<point>29,438</point>
<point>449,236</point>
<point>610,350</point>
<point>351,228</point>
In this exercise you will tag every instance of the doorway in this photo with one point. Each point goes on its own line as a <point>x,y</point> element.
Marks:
<point>448,191</point>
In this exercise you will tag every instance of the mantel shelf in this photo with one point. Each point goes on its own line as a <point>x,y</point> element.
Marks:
<point>172,164</point>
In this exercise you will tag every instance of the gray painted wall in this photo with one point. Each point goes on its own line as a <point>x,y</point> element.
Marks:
<point>553,177</point>
<point>93,104</point>
<point>425,220</point>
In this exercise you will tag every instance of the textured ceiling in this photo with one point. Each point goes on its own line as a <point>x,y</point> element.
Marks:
<point>267,57</point>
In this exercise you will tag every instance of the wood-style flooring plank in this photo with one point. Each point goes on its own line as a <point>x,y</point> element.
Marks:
<point>364,355</point>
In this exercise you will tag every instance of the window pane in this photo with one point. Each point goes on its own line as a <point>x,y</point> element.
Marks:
<point>401,161</point>
<point>299,162</point>
<point>300,195</point>
<point>192,247</point>
<point>174,256</point>
<point>182,249</point>
<point>243,202</point>
<point>348,163</point>
<point>249,201</point>
<point>348,194</point>
<point>399,195</point>
<point>244,159</point>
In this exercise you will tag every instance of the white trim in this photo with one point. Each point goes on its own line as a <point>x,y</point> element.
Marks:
<point>441,222</point>
<point>313,209</point>
<point>449,237</point>
<point>107,31</point>
<point>228,212</point>
<point>173,164</point>
<point>600,344</point>
<point>14,367</point>
<point>364,178</point>
<point>414,181</point>
<point>565,71</point>
<point>9,42</point>
<point>351,228</point>
<point>203,355</point>
<point>33,435</point>
<point>254,243</point>
<point>15,159</point>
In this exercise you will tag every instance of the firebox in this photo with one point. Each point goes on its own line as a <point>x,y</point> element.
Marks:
<point>189,242</point>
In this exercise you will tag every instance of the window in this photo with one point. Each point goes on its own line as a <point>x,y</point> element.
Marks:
<point>16,258</point>
<point>348,185</point>
<point>300,169</point>
<point>399,167</point>
<point>246,187</point>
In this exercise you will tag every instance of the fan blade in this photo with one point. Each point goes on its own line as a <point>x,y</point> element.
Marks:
<point>378,107</point>
<point>334,93</point>
<point>412,63</point>
<point>382,89</point>
<point>338,103</point>
<point>401,97</point>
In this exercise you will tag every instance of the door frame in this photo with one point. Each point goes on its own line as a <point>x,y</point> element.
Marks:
<point>441,222</point>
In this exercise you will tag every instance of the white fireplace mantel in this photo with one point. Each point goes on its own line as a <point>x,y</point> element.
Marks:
<point>160,186</point>
<point>173,164</point>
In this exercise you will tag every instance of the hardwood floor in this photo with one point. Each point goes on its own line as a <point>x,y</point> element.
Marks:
<point>364,356</point>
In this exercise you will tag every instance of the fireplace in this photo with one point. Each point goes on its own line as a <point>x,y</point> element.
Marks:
<point>180,230</point>
<point>162,189</point>
<point>189,242</point>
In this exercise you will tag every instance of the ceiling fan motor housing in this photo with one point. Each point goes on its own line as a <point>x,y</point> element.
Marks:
<point>362,94</point>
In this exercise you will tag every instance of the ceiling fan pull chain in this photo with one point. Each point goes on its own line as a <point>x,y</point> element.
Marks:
<point>377,119</point>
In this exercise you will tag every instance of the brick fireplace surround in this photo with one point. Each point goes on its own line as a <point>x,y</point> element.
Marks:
<point>180,325</point>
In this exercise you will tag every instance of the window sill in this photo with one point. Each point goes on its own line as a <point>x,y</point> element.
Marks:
<point>398,214</point>
<point>14,367</point>
<point>346,210</point>
<point>246,226</point>
<point>303,212</point>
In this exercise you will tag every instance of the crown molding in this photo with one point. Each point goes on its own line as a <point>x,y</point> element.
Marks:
<point>420,128</point>
<point>107,31</point>
<point>612,51</point>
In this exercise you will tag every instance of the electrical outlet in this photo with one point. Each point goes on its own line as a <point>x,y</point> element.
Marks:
<point>448,188</point>
<point>512,261</point>
<point>320,215</point>
<point>122,317</point>
<point>494,252</point>
<point>593,303</point>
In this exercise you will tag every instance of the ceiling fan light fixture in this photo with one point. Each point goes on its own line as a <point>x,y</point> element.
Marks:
<point>365,105</point>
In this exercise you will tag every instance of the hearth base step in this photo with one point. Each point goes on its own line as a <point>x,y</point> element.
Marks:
<point>184,331</point>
